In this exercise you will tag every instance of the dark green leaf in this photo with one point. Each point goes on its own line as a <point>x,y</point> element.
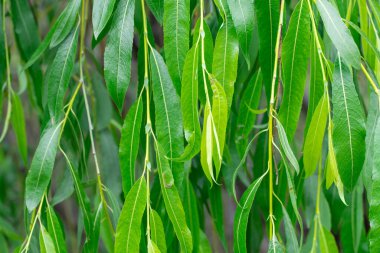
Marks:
<point>55,230</point>
<point>157,8</point>
<point>101,13</point>
<point>18,124</point>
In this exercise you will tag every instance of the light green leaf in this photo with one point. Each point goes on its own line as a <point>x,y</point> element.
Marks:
<point>128,231</point>
<point>55,230</point>
<point>157,231</point>
<point>295,58</point>
<point>312,149</point>
<point>18,124</point>
<point>118,52</point>
<point>101,13</point>
<point>46,243</point>
<point>60,74</point>
<point>349,127</point>
<point>207,145</point>
<point>152,247</point>
<point>176,37</point>
<point>42,166</point>
<point>243,16</point>
<point>168,115</point>
<point>129,144</point>
<point>287,149</point>
<point>327,242</point>
<point>339,33</point>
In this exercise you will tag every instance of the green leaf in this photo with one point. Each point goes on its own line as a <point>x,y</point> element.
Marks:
<point>118,52</point>
<point>204,245</point>
<point>2,53</point>
<point>217,214</point>
<point>18,124</point>
<point>339,33</point>
<point>157,231</point>
<point>295,58</point>
<point>275,246</point>
<point>168,115</point>
<point>243,16</point>
<point>207,145</point>
<point>287,149</point>
<point>189,104</point>
<point>60,74</point>
<point>290,233</point>
<point>191,211</point>
<point>55,230</point>
<point>327,242</point>
<point>129,144</point>
<point>172,202</point>
<point>349,127</point>
<point>312,149</point>
<point>65,22</point>
<point>101,13</point>
<point>127,238</point>
<point>267,15</point>
<point>242,214</point>
<point>176,37</point>
<point>157,9</point>
<point>152,247</point>
<point>42,166</point>
<point>46,243</point>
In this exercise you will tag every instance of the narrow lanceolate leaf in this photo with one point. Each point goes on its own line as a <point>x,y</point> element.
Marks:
<point>339,33</point>
<point>275,246</point>
<point>243,16</point>
<point>242,214</point>
<point>66,22</point>
<point>267,14</point>
<point>18,124</point>
<point>189,104</point>
<point>312,149</point>
<point>46,243</point>
<point>225,57</point>
<point>118,52</point>
<point>374,206</point>
<point>129,144</point>
<point>168,115</point>
<point>246,118</point>
<point>55,230</point>
<point>157,231</point>
<point>349,128</point>
<point>42,166</point>
<point>217,214</point>
<point>287,149</point>
<point>295,57</point>
<point>128,231</point>
<point>176,37</point>
<point>152,247</point>
<point>327,242</point>
<point>207,145</point>
<point>60,74</point>
<point>191,211</point>
<point>290,233</point>
<point>101,13</point>
<point>173,204</point>
<point>157,9</point>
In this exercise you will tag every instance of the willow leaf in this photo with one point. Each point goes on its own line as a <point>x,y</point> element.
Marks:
<point>204,245</point>
<point>243,16</point>
<point>18,124</point>
<point>290,233</point>
<point>168,115</point>
<point>339,33</point>
<point>176,37</point>
<point>65,22</point>
<point>157,9</point>
<point>152,247</point>
<point>295,58</point>
<point>2,52</point>
<point>191,211</point>
<point>327,242</point>
<point>157,231</point>
<point>268,15</point>
<point>312,150</point>
<point>189,104</point>
<point>127,238</point>
<point>101,13</point>
<point>41,167</point>
<point>349,127</point>
<point>129,144</point>
<point>242,214</point>
<point>287,149</point>
<point>60,74</point>
<point>118,52</point>
<point>207,145</point>
<point>217,214</point>
<point>55,230</point>
<point>173,204</point>
<point>46,243</point>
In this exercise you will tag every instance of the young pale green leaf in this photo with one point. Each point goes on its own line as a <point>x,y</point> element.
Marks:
<point>242,214</point>
<point>168,115</point>
<point>46,243</point>
<point>287,149</point>
<point>173,202</point>
<point>243,16</point>
<point>42,166</point>
<point>65,22</point>
<point>18,124</point>
<point>157,231</point>
<point>176,37</point>
<point>129,144</point>
<point>189,104</point>
<point>101,13</point>
<point>207,145</point>
<point>246,118</point>
<point>128,231</point>
<point>157,9</point>
<point>152,247</point>
<point>217,214</point>
<point>339,33</point>
<point>60,74</point>
<point>290,233</point>
<point>312,149</point>
<point>55,230</point>
<point>267,14</point>
<point>349,127</point>
<point>295,58</point>
<point>327,242</point>
<point>118,52</point>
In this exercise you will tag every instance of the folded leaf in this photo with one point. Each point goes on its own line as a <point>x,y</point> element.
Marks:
<point>55,230</point>
<point>287,149</point>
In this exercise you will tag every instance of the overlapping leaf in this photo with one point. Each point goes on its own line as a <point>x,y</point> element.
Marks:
<point>101,13</point>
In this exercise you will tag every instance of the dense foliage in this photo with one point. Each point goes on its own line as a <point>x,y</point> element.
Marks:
<point>190,126</point>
